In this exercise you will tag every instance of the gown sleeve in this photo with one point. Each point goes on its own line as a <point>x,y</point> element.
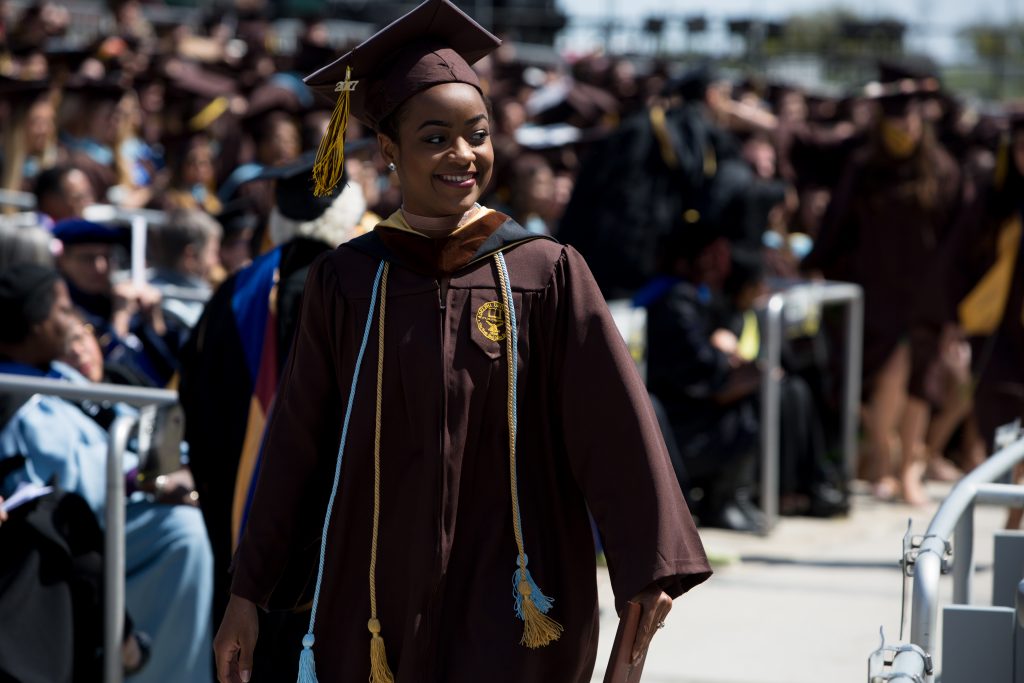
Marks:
<point>615,446</point>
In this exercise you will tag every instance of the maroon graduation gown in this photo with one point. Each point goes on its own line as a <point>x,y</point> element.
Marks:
<point>587,439</point>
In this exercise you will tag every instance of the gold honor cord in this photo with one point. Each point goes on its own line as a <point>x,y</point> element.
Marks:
<point>530,603</point>
<point>379,671</point>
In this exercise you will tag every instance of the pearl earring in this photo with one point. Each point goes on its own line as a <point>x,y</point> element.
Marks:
<point>392,167</point>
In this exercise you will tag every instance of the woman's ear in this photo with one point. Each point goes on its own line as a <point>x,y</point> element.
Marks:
<point>388,148</point>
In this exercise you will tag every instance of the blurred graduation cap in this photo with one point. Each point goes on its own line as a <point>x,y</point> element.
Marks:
<point>237,216</point>
<point>547,137</point>
<point>571,101</point>
<point>913,68</point>
<point>293,189</point>
<point>17,91</point>
<point>65,58</point>
<point>434,43</point>
<point>72,231</point>
<point>207,95</point>
<point>93,90</point>
<point>693,85</point>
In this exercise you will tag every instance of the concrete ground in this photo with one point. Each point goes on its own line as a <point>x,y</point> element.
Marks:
<point>803,604</point>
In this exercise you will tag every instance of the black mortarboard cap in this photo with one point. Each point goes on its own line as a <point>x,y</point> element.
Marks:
<point>293,189</point>
<point>693,85</point>
<point>239,215</point>
<point>914,68</point>
<point>434,43</point>
<point>80,231</point>
<point>17,90</point>
<point>96,90</point>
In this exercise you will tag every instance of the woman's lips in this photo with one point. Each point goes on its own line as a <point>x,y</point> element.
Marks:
<point>462,180</point>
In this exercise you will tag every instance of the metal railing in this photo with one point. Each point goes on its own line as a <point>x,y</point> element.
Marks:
<point>114,539</point>
<point>930,558</point>
<point>851,296</point>
<point>26,201</point>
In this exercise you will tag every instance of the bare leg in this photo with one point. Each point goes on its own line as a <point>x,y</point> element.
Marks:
<point>957,404</point>
<point>884,409</point>
<point>912,430</point>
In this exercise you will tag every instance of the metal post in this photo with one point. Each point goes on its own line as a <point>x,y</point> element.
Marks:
<point>963,558</point>
<point>852,383</point>
<point>927,570</point>
<point>114,552</point>
<point>138,250</point>
<point>770,427</point>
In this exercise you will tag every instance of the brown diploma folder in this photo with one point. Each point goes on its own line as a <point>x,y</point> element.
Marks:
<point>620,667</point>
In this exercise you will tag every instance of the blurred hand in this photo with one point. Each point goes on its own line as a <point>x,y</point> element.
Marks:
<point>727,342</point>
<point>175,488</point>
<point>3,513</point>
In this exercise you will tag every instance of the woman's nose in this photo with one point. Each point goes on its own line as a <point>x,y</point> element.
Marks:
<point>462,151</point>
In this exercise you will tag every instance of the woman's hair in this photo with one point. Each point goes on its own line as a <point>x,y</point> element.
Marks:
<point>185,227</point>
<point>24,244</point>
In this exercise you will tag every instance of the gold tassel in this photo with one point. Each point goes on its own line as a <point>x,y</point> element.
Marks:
<point>379,670</point>
<point>538,628</point>
<point>330,155</point>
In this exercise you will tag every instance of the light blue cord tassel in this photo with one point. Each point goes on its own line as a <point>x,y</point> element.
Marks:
<point>307,667</point>
<point>542,602</point>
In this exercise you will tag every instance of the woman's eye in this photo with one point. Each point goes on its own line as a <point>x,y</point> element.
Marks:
<point>434,139</point>
<point>480,136</point>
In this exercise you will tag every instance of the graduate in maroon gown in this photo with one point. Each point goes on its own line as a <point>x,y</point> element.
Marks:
<point>457,399</point>
<point>887,220</point>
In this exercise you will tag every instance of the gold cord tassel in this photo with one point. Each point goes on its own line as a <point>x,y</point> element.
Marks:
<point>379,671</point>
<point>538,628</point>
<point>330,155</point>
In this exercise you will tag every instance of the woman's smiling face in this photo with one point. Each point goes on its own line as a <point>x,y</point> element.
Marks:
<point>443,155</point>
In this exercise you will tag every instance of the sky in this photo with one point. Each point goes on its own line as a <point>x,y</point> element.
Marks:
<point>934,23</point>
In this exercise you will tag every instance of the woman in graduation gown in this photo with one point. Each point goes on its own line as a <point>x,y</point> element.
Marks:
<point>888,218</point>
<point>457,396</point>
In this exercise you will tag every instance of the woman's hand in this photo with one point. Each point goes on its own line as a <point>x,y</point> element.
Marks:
<point>235,641</point>
<point>654,607</point>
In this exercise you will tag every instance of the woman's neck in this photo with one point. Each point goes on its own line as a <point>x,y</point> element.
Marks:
<point>441,226</point>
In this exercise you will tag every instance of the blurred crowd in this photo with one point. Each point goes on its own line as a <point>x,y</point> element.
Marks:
<point>691,191</point>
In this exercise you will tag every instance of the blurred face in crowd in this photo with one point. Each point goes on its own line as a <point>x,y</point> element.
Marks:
<point>236,250</point>
<point>76,194</point>
<point>282,144</point>
<point>198,165</point>
<point>82,351</point>
<point>443,154</point>
<point>104,122</point>
<point>902,133</point>
<point>760,154</point>
<point>49,336</point>
<point>201,261</point>
<point>88,266</point>
<point>40,127</point>
<point>793,107</point>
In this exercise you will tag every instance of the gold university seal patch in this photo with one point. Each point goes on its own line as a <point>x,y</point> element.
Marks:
<point>490,318</point>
